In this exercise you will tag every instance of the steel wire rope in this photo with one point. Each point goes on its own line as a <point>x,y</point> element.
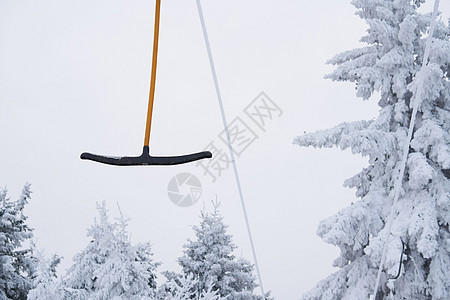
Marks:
<point>230,147</point>
<point>398,183</point>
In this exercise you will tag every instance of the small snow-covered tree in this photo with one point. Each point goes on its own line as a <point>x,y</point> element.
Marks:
<point>391,65</point>
<point>209,260</point>
<point>184,288</point>
<point>110,267</point>
<point>46,284</point>
<point>16,261</point>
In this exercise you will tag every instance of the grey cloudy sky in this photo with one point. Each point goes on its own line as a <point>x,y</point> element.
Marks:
<point>74,77</point>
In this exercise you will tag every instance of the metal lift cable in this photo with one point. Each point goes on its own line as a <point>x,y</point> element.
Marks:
<point>399,180</point>
<point>230,148</point>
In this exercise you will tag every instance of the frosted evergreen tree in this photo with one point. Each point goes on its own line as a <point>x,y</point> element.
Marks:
<point>16,260</point>
<point>209,259</point>
<point>47,285</point>
<point>184,288</point>
<point>110,267</point>
<point>418,254</point>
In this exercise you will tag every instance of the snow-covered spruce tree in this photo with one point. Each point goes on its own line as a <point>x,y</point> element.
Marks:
<point>391,65</point>
<point>46,283</point>
<point>183,288</point>
<point>209,260</point>
<point>16,261</point>
<point>110,267</point>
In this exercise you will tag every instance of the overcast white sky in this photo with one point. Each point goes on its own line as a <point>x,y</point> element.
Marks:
<point>74,77</point>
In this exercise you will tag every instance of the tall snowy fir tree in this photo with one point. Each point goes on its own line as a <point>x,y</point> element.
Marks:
<point>184,288</point>
<point>16,261</point>
<point>209,259</point>
<point>389,67</point>
<point>110,267</point>
<point>45,280</point>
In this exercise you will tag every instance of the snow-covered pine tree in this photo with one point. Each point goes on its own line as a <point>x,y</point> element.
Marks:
<point>391,65</point>
<point>46,283</point>
<point>184,288</point>
<point>16,261</point>
<point>210,260</point>
<point>110,267</point>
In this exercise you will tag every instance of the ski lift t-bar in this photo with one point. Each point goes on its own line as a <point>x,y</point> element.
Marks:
<point>145,159</point>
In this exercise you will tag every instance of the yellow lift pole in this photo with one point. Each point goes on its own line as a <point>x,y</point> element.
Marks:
<point>151,97</point>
